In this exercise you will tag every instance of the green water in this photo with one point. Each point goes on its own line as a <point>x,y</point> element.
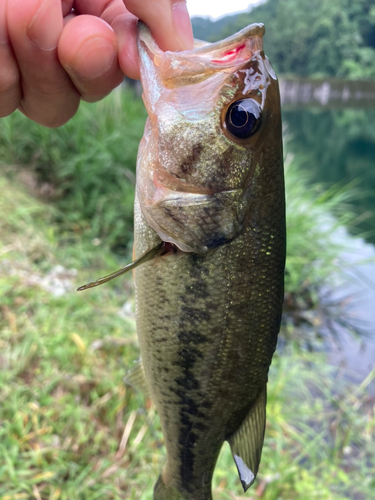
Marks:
<point>337,147</point>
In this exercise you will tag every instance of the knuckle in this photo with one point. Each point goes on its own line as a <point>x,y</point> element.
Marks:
<point>49,119</point>
<point>95,90</point>
<point>8,105</point>
<point>48,106</point>
<point>10,91</point>
<point>9,80</point>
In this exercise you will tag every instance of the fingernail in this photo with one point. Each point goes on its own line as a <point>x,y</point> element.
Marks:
<point>46,26</point>
<point>94,58</point>
<point>182,24</point>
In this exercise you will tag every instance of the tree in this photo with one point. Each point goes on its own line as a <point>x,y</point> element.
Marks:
<point>314,37</point>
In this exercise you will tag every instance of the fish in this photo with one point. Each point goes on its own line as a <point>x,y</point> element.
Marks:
<point>209,248</point>
<point>210,184</point>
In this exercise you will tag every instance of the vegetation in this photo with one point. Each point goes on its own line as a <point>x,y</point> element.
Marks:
<point>86,168</point>
<point>69,427</point>
<point>206,29</point>
<point>313,37</point>
<point>92,188</point>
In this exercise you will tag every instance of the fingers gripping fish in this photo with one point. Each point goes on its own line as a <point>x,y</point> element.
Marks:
<point>210,238</point>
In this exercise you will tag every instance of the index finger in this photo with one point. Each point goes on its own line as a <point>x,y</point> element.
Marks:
<point>168,21</point>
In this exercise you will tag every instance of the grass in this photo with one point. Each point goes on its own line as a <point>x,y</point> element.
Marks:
<point>85,168</point>
<point>69,427</point>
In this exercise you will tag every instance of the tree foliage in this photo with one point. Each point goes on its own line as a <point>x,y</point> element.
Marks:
<point>316,38</point>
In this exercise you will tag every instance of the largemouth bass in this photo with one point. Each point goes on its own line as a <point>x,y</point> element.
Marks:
<point>209,182</point>
<point>210,250</point>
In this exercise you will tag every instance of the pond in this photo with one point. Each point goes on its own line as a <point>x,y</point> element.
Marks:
<point>331,125</point>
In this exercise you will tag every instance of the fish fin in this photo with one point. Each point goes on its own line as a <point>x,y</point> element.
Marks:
<point>247,441</point>
<point>160,249</point>
<point>136,378</point>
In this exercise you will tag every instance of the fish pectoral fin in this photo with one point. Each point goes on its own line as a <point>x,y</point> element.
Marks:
<point>247,441</point>
<point>136,378</point>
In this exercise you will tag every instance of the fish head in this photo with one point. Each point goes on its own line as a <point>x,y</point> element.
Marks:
<point>213,111</point>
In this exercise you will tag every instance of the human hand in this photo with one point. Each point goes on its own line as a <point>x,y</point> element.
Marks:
<point>52,56</point>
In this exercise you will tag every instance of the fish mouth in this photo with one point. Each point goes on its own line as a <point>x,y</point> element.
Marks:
<point>195,222</point>
<point>214,57</point>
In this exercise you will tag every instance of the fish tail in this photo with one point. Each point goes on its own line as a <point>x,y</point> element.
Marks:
<point>163,491</point>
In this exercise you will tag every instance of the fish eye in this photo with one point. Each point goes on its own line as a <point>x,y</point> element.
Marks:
<point>243,118</point>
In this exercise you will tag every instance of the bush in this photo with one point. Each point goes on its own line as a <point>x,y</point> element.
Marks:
<point>86,167</point>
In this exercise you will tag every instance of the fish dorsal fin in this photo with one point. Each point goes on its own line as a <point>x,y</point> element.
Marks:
<point>247,441</point>
<point>136,378</point>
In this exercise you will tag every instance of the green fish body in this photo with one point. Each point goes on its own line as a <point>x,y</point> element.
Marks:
<point>210,184</point>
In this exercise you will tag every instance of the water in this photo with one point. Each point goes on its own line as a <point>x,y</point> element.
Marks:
<point>331,125</point>
<point>357,357</point>
<point>337,147</point>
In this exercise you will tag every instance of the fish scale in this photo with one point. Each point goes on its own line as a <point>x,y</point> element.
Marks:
<point>233,342</point>
<point>208,306</point>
